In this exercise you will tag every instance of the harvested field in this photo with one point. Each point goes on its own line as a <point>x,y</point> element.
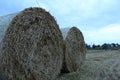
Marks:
<point>99,65</point>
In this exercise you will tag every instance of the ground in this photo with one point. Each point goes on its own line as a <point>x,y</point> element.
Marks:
<point>99,65</point>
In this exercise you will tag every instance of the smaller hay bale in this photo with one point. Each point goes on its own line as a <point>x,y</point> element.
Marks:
<point>32,47</point>
<point>75,49</point>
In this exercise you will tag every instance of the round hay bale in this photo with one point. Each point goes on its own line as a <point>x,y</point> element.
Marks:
<point>75,49</point>
<point>32,47</point>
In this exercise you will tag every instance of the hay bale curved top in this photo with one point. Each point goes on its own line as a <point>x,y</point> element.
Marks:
<point>75,49</point>
<point>32,46</point>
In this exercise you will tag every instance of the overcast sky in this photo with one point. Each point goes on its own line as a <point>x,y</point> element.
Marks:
<point>99,20</point>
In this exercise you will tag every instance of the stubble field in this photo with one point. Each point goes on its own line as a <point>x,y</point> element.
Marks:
<point>99,65</point>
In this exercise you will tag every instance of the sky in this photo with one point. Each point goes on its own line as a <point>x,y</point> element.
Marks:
<point>99,20</point>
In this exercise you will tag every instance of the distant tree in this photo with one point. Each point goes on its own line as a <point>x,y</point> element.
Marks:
<point>105,46</point>
<point>93,46</point>
<point>118,45</point>
<point>98,47</point>
<point>88,46</point>
<point>108,46</point>
<point>115,46</point>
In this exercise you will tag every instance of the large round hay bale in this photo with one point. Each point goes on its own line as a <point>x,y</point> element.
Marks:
<point>32,47</point>
<point>75,49</point>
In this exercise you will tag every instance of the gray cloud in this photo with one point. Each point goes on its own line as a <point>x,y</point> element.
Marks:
<point>91,16</point>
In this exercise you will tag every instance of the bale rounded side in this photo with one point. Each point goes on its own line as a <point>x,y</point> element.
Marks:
<point>75,49</point>
<point>32,47</point>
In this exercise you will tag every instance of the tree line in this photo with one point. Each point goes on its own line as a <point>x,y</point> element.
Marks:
<point>105,46</point>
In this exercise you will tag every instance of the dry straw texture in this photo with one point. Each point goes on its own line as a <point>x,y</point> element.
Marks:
<point>32,48</point>
<point>75,49</point>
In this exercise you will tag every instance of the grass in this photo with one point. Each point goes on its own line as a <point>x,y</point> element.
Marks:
<point>99,65</point>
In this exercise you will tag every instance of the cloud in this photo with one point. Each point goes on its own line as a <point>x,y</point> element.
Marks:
<point>108,34</point>
<point>96,7</point>
<point>95,13</point>
<point>34,3</point>
<point>84,7</point>
<point>97,19</point>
